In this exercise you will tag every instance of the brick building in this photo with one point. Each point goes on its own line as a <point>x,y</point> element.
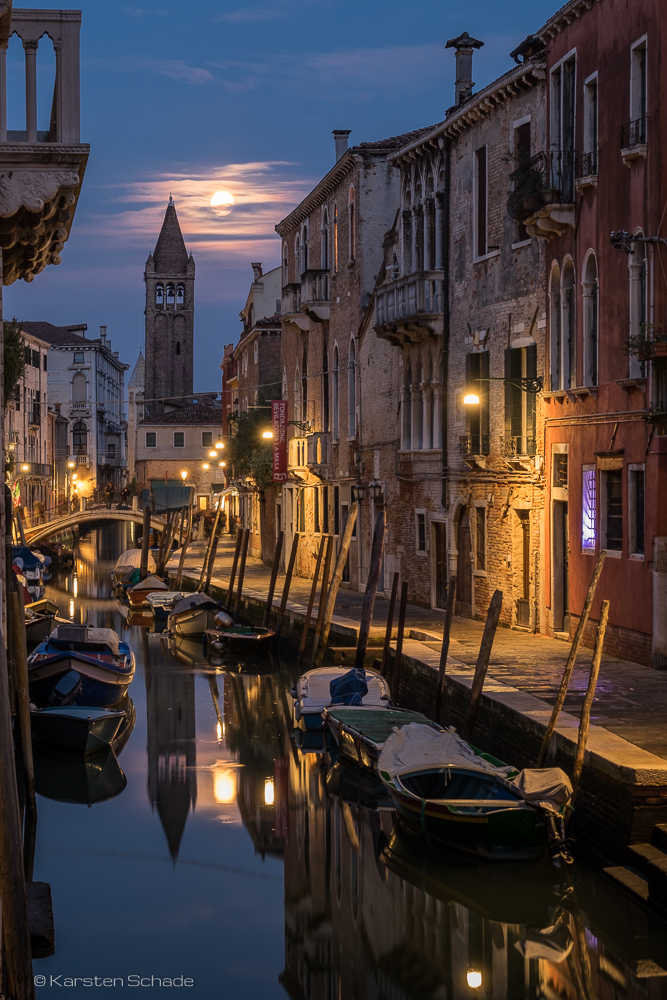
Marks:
<point>28,430</point>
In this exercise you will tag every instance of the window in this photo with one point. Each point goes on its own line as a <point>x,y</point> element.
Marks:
<point>325,510</point>
<point>80,438</point>
<point>35,359</point>
<point>568,352</point>
<point>336,500</point>
<point>591,293</point>
<point>79,357</point>
<point>481,201</point>
<point>477,368</point>
<point>285,264</point>
<point>170,295</point>
<point>636,509</point>
<point>334,394</point>
<point>27,355</point>
<point>562,130</point>
<point>335,237</point>
<point>588,508</point>
<point>520,362</point>
<point>151,439</point>
<point>255,352</point>
<point>324,240</point>
<point>352,391</point>
<point>179,439</point>
<point>352,216</point>
<point>111,450</point>
<point>302,511</point>
<point>420,525</point>
<point>560,473</point>
<point>178,347</point>
<point>304,249</point>
<point>638,95</point>
<point>522,151</point>
<point>207,439</point>
<point>480,538</point>
<point>589,164</point>
<point>44,363</point>
<point>180,295</point>
<point>555,331</point>
<point>316,511</point>
<point>612,486</point>
<point>79,388</point>
<point>159,295</point>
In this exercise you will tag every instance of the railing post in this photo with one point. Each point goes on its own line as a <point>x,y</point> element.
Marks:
<point>30,48</point>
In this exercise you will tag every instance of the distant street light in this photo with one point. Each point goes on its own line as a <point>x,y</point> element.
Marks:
<point>70,465</point>
<point>212,454</point>
<point>471,399</point>
<point>24,468</point>
<point>220,444</point>
<point>206,466</point>
<point>267,435</point>
<point>184,475</point>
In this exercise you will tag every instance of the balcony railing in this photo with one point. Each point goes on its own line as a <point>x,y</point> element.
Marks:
<point>473,444</point>
<point>517,446</point>
<point>587,165</point>
<point>319,448</point>
<point>35,417</point>
<point>291,298</point>
<point>79,407</point>
<point>314,286</point>
<point>634,133</point>
<point>34,469</point>
<point>415,298</point>
<point>80,459</point>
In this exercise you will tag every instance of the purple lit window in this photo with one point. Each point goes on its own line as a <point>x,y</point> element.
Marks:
<point>588,510</point>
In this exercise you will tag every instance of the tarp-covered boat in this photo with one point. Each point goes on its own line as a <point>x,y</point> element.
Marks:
<point>80,665</point>
<point>76,727</point>
<point>360,733</point>
<point>128,566</point>
<point>467,799</point>
<point>233,638</point>
<point>326,687</point>
<point>196,613</point>
<point>138,594</point>
<point>163,602</point>
<point>39,617</point>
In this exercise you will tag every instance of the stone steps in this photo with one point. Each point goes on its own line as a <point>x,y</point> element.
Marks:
<point>645,875</point>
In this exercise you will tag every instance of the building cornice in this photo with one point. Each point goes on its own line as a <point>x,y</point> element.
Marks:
<point>564,17</point>
<point>320,192</point>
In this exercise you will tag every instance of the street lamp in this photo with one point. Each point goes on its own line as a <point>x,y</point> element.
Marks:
<point>212,454</point>
<point>70,465</point>
<point>24,468</point>
<point>184,474</point>
<point>532,385</point>
<point>375,491</point>
<point>206,466</point>
<point>220,445</point>
<point>222,464</point>
<point>474,979</point>
<point>267,435</point>
<point>359,493</point>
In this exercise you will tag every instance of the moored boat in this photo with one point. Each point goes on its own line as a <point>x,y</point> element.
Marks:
<point>126,571</point>
<point>80,665</point>
<point>326,687</point>
<point>162,602</point>
<point>76,727</point>
<point>233,638</point>
<point>360,733</point>
<point>39,618</point>
<point>467,799</point>
<point>195,614</point>
<point>138,594</point>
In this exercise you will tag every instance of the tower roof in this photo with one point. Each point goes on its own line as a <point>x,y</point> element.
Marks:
<point>170,255</point>
<point>138,376</point>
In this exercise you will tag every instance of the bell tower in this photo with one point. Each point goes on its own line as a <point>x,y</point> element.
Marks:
<point>170,314</point>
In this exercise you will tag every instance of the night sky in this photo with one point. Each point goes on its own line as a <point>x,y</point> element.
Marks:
<point>192,98</point>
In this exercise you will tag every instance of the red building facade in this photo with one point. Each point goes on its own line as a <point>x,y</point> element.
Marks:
<point>606,378</point>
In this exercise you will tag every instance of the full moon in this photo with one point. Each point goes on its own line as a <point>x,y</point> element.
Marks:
<point>222,202</point>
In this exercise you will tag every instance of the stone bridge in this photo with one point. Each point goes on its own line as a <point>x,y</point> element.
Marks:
<point>40,532</point>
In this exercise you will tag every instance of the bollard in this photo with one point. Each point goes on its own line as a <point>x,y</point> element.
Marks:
<point>398,655</point>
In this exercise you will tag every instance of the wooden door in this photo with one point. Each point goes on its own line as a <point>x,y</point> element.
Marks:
<point>440,530</point>
<point>464,568</point>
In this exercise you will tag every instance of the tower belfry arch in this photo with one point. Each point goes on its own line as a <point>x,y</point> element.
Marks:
<point>170,309</point>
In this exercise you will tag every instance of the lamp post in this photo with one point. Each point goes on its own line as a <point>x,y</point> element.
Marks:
<point>532,385</point>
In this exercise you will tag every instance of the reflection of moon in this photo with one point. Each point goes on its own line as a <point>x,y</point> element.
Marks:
<point>222,202</point>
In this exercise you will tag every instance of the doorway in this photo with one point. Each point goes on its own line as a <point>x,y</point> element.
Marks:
<point>560,601</point>
<point>523,601</point>
<point>464,568</point>
<point>440,550</point>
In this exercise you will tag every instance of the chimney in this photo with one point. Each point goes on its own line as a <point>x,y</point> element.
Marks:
<point>256,271</point>
<point>103,336</point>
<point>464,46</point>
<point>340,138</point>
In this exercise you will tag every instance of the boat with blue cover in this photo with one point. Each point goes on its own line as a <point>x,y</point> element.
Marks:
<point>80,665</point>
<point>329,687</point>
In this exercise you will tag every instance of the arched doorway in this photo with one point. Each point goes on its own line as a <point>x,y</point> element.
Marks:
<point>464,567</point>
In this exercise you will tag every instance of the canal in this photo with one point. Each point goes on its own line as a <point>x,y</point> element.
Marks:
<point>214,857</point>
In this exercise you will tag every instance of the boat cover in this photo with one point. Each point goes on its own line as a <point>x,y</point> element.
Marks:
<point>131,558</point>
<point>196,601</point>
<point>548,787</point>
<point>150,583</point>
<point>350,688</point>
<point>30,560</point>
<point>417,745</point>
<point>98,636</point>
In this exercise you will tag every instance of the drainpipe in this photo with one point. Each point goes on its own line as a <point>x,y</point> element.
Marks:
<point>445,324</point>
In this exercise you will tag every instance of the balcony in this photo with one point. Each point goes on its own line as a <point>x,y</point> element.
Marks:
<point>291,306</point>
<point>315,294</point>
<point>79,407</point>
<point>587,171</point>
<point>473,449</point>
<point>634,141</point>
<point>34,469</point>
<point>318,450</point>
<point>35,415</point>
<point>80,459</point>
<point>518,452</point>
<point>408,305</point>
<point>543,194</point>
<point>43,171</point>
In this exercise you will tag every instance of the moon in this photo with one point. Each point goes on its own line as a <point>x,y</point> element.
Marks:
<point>222,202</point>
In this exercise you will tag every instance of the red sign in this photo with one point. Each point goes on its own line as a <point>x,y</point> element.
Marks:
<point>279,427</point>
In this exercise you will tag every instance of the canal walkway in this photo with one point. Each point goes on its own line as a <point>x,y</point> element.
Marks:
<point>630,702</point>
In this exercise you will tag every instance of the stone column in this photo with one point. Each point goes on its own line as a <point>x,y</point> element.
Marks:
<point>30,90</point>
<point>427,409</point>
<point>437,414</point>
<point>407,241</point>
<point>428,248</point>
<point>58,92</point>
<point>406,420</point>
<point>415,239</point>
<point>417,427</point>
<point>439,207</point>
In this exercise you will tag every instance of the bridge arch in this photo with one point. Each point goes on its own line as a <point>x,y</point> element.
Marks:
<point>40,532</point>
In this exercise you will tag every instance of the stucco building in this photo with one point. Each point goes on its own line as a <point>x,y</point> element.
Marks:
<point>29,429</point>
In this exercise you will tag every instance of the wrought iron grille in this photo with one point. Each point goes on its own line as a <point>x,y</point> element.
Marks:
<point>634,133</point>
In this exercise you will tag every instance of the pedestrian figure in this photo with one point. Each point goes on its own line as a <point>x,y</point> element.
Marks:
<point>125,495</point>
<point>109,490</point>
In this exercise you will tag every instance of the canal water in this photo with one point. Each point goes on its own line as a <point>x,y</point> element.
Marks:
<point>213,857</point>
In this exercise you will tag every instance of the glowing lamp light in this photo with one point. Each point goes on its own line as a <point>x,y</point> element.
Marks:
<point>474,979</point>
<point>74,476</point>
<point>212,454</point>
<point>71,609</point>
<point>267,435</point>
<point>76,587</point>
<point>219,731</point>
<point>24,468</point>
<point>222,464</point>
<point>70,465</point>
<point>222,202</point>
<point>206,466</point>
<point>471,399</point>
<point>269,792</point>
<point>184,475</point>
<point>224,785</point>
<point>220,445</point>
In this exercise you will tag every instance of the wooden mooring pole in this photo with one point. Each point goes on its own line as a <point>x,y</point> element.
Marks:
<point>377,552</point>
<point>482,665</point>
<point>398,655</point>
<point>569,666</point>
<point>311,600</point>
<point>323,598</point>
<point>235,562</point>
<point>20,657</point>
<point>585,720</point>
<point>390,625</point>
<point>244,553</point>
<point>335,583</point>
<point>274,576</point>
<point>207,557</point>
<point>286,589</point>
<point>145,543</point>
<point>449,614</point>
<point>181,558</point>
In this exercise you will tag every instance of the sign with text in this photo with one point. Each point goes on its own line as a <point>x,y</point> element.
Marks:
<point>279,428</point>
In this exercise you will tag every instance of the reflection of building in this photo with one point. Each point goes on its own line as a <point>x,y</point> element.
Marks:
<point>172,750</point>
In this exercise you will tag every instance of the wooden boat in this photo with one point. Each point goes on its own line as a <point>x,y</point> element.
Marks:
<point>195,614</point>
<point>128,566</point>
<point>162,602</point>
<point>39,618</point>
<point>80,665</point>
<point>360,733</point>
<point>76,727</point>
<point>316,690</point>
<point>238,638</point>
<point>458,795</point>
<point>138,595</point>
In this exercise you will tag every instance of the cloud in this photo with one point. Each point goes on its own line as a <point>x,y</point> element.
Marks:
<point>253,14</point>
<point>143,12</point>
<point>176,69</point>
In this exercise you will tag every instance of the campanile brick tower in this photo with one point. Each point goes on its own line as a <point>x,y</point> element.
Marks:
<point>170,314</point>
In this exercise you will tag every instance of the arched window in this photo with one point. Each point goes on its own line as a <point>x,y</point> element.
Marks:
<point>159,295</point>
<point>334,394</point>
<point>170,295</point>
<point>555,332</point>
<point>79,388</point>
<point>324,243</point>
<point>304,249</point>
<point>591,291</point>
<point>79,438</point>
<point>568,350</point>
<point>335,238</point>
<point>352,214</point>
<point>297,394</point>
<point>637,272</point>
<point>297,258</point>
<point>352,390</point>
<point>180,295</point>
<point>285,265</point>
<point>178,347</point>
<point>285,382</point>
<point>406,409</point>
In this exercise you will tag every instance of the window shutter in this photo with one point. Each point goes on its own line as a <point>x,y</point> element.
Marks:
<point>484,400</point>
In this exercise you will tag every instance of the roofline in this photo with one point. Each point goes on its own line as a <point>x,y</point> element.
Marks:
<point>478,106</point>
<point>564,17</point>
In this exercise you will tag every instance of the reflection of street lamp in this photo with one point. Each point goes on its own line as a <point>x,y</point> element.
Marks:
<point>474,979</point>
<point>269,792</point>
